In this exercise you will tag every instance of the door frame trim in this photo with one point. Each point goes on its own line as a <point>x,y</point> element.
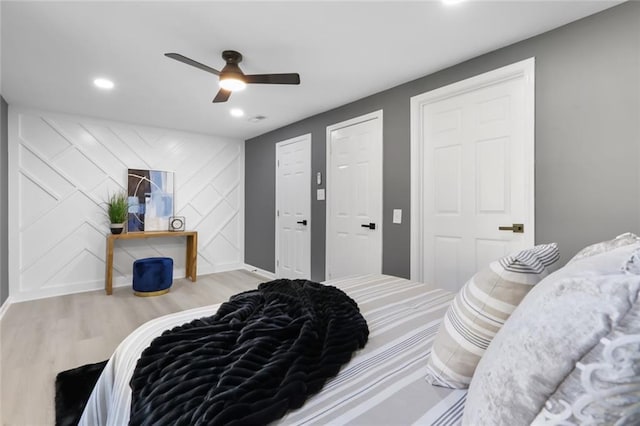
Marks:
<point>375,115</point>
<point>302,138</point>
<point>523,69</point>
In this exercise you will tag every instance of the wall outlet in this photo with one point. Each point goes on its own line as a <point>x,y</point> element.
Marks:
<point>320,194</point>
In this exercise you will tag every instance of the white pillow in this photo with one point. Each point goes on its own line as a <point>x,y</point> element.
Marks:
<point>559,321</point>
<point>603,387</point>
<point>605,246</point>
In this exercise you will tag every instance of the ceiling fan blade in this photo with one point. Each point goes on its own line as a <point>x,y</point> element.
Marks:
<point>189,61</point>
<point>293,78</point>
<point>222,96</point>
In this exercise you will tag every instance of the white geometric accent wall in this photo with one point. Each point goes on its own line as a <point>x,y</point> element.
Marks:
<point>62,169</point>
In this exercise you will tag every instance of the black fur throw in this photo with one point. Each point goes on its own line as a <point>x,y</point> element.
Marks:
<point>263,353</point>
<point>73,388</point>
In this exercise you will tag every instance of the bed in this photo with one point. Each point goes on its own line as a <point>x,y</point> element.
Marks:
<point>383,379</point>
<point>516,345</point>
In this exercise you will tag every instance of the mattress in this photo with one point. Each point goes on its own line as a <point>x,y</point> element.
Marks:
<point>382,384</point>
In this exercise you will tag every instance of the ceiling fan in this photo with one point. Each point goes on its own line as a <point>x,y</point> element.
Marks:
<point>231,76</point>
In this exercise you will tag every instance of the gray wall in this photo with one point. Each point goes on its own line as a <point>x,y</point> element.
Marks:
<point>4,155</point>
<point>587,143</point>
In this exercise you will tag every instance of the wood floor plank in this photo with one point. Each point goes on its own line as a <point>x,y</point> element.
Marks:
<point>40,338</point>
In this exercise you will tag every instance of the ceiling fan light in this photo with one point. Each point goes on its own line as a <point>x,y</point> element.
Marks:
<point>232,84</point>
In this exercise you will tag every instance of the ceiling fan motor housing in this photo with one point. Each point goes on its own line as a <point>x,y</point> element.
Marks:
<point>231,69</point>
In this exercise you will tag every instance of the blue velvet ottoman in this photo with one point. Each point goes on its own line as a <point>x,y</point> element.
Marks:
<point>152,276</point>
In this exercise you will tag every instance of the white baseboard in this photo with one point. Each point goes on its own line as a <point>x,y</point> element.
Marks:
<point>5,307</point>
<point>120,281</point>
<point>219,268</point>
<point>65,290</point>
<point>259,271</point>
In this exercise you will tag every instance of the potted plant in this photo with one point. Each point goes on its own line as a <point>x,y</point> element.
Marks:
<point>117,210</point>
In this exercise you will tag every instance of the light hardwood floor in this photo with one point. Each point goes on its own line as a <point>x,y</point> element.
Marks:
<point>38,339</point>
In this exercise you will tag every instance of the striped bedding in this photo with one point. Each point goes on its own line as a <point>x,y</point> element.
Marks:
<point>383,384</point>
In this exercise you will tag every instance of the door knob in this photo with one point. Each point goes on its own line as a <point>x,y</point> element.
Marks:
<point>370,226</point>
<point>516,228</point>
<point>303,222</point>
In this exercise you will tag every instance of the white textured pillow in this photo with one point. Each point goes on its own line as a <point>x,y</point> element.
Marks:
<point>603,387</point>
<point>561,319</point>
<point>604,246</point>
<point>479,310</point>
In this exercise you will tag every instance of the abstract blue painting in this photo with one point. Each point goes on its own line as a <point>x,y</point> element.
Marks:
<point>150,195</point>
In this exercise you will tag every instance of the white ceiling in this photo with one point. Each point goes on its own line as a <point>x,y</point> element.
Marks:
<point>343,51</point>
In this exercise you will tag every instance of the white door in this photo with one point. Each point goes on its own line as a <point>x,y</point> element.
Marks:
<point>293,208</point>
<point>475,151</point>
<point>354,197</point>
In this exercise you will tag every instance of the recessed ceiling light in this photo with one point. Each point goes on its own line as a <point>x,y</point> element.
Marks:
<point>103,83</point>
<point>237,112</point>
<point>451,2</point>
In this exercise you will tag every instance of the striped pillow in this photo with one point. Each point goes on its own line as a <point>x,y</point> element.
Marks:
<point>480,309</point>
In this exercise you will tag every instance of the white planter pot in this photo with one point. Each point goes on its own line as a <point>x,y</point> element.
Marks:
<point>117,228</point>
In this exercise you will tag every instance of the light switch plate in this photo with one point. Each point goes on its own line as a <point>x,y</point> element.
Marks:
<point>320,194</point>
<point>319,178</point>
<point>397,215</point>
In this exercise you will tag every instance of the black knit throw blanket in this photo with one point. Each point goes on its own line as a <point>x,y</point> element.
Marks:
<point>263,353</point>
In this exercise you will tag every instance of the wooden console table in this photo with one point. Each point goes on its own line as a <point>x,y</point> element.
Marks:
<point>191,263</point>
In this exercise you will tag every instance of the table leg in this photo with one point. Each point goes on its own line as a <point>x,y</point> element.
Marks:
<point>192,257</point>
<point>108,282</point>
